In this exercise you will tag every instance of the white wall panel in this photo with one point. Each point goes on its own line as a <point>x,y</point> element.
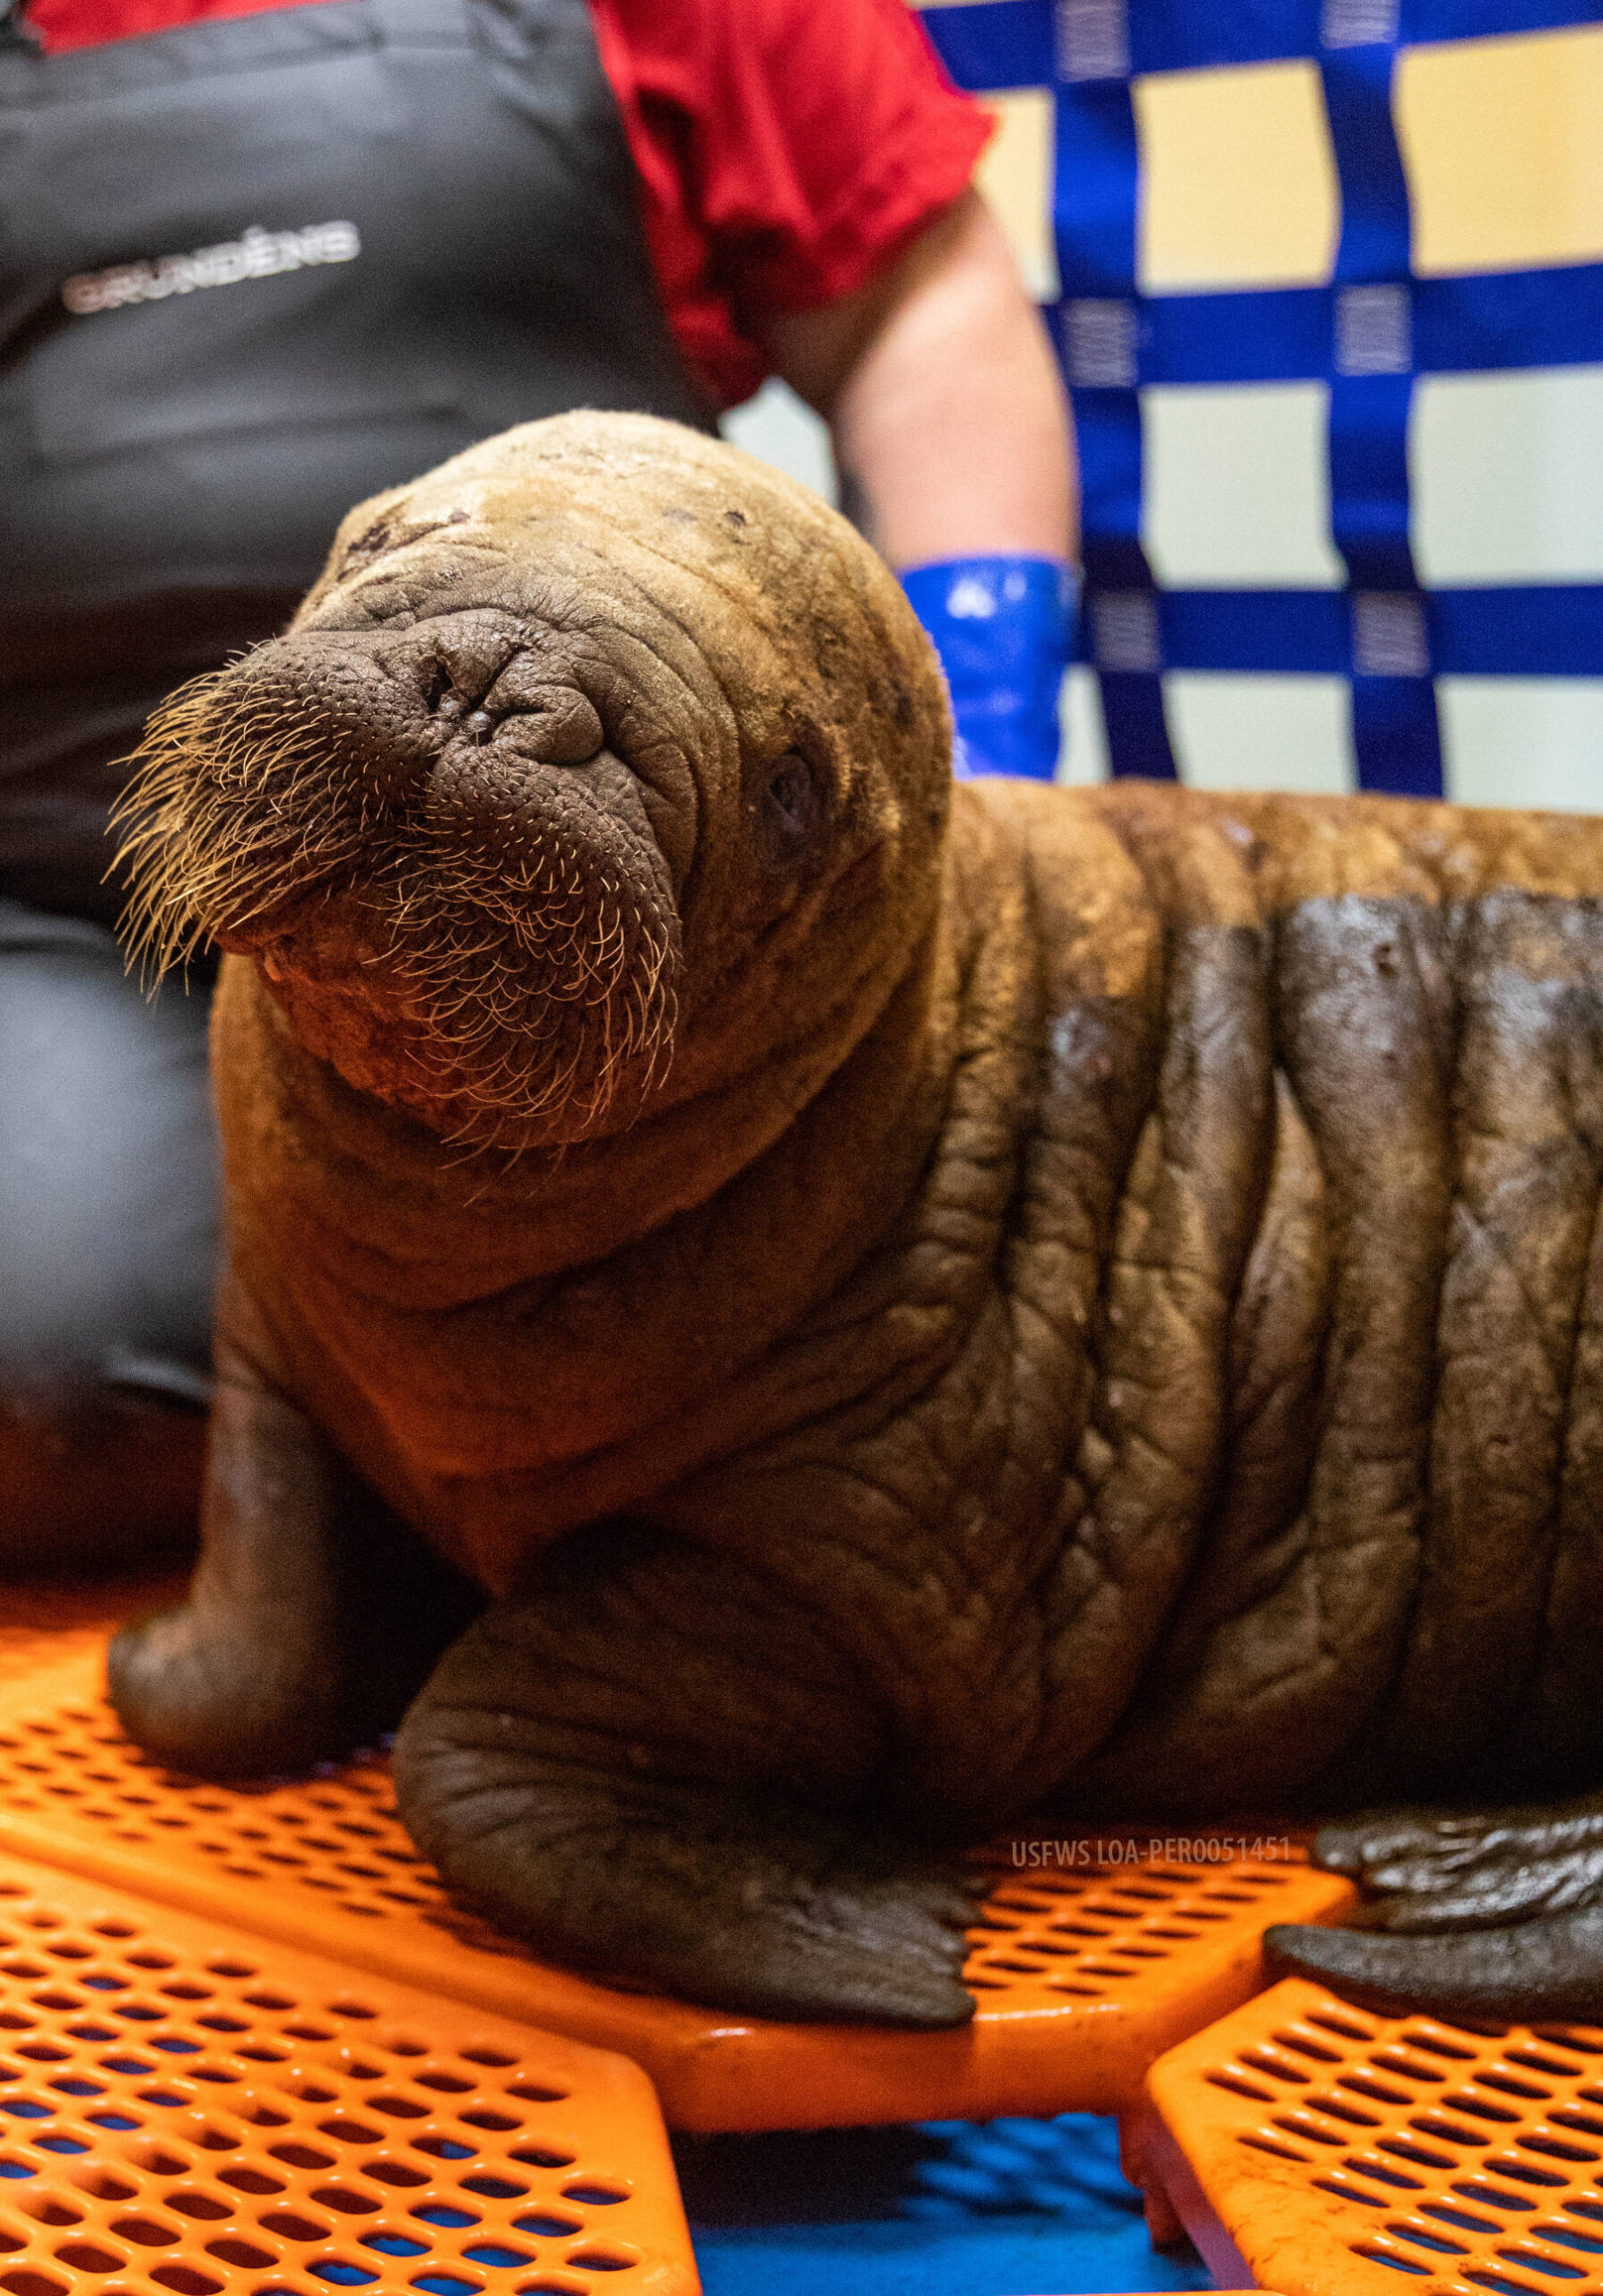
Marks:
<point>1506,476</point>
<point>1085,754</point>
<point>1523,741</point>
<point>1260,733</point>
<point>1236,486</point>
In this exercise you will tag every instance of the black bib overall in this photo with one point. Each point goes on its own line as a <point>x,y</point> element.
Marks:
<point>251,271</point>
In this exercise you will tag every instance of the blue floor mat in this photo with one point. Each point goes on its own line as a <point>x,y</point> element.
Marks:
<point>951,2208</point>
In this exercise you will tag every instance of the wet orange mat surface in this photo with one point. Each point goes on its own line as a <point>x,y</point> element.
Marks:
<point>1326,2152</point>
<point>183,2114</point>
<point>44,1621</point>
<point>1081,1977</point>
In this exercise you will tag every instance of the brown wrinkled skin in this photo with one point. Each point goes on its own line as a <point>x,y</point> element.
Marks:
<point>1101,1311</point>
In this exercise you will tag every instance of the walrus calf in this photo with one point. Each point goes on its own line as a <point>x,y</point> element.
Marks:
<point>789,1314</point>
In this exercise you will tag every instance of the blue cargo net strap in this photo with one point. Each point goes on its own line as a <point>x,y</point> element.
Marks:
<point>1094,200</point>
<point>1366,336</point>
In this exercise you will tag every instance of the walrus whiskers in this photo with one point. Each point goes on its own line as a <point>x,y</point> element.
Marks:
<point>235,815</point>
<point>191,846</point>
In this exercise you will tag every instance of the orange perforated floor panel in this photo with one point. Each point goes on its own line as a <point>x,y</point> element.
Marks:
<point>1328,2152</point>
<point>182,2114</point>
<point>1081,1977</point>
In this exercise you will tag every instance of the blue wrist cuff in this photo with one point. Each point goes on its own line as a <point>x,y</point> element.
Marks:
<point>1004,630</point>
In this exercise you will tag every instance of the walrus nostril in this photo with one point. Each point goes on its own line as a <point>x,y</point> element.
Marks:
<point>467,653</point>
<point>548,722</point>
<point>480,673</point>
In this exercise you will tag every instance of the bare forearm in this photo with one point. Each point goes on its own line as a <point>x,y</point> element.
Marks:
<point>941,390</point>
<point>945,400</point>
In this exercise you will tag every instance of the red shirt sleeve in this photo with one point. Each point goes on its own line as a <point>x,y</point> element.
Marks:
<point>785,149</point>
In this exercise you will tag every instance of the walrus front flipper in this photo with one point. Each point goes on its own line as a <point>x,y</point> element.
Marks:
<point>629,1765</point>
<point>313,1616</point>
<point>1537,1972</point>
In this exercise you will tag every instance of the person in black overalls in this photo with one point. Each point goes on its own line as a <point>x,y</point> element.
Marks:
<point>168,493</point>
<point>411,224</point>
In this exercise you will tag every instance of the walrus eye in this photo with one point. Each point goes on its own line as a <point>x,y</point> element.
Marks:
<point>789,810</point>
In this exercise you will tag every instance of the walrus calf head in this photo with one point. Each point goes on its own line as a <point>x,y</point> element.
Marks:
<point>598,743</point>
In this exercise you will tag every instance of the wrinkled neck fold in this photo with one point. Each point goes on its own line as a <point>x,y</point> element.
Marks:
<point>818,1116</point>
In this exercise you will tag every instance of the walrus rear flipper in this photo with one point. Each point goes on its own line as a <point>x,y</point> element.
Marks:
<point>633,1766</point>
<point>1471,1913</point>
<point>1539,1971</point>
<point>1462,1869</point>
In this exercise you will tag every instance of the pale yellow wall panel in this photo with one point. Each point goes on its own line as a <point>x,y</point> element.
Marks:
<point>1503,140</point>
<point>1015,175</point>
<point>1238,179</point>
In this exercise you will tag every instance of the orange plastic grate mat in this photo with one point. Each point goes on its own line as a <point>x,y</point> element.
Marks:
<point>42,1620</point>
<point>183,2114</point>
<point>1328,2150</point>
<point>1081,1977</point>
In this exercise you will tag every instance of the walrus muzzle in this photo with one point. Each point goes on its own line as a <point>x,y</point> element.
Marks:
<point>445,870</point>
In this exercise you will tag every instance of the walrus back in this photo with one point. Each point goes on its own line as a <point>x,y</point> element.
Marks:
<point>1357,1238</point>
